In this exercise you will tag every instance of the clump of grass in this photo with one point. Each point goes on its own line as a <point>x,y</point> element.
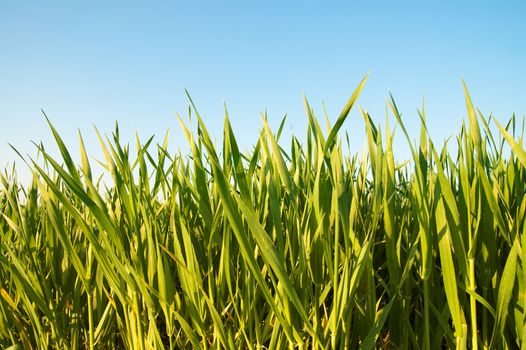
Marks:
<point>306,248</point>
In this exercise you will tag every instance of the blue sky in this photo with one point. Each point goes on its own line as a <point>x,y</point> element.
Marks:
<point>94,63</point>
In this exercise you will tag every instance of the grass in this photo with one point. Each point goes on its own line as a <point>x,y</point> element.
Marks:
<point>307,248</point>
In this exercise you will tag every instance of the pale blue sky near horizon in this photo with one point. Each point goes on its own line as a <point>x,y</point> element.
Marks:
<point>95,63</point>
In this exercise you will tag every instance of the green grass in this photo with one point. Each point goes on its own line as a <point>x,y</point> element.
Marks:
<point>310,247</point>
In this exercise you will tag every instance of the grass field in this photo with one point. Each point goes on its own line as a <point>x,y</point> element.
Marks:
<point>304,247</point>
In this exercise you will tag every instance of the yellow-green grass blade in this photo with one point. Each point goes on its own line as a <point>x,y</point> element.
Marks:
<point>505,290</point>
<point>448,269</point>
<point>452,212</point>
<point>64,151</point>
<point>280,162</point>
<point>343,115</point>
<point>516,147</point>
<point>474,130</point>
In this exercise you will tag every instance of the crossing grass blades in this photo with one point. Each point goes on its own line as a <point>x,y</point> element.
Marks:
<point>308,247</point>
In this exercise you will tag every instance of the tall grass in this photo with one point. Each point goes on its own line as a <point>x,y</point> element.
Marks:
<point>307,248</point>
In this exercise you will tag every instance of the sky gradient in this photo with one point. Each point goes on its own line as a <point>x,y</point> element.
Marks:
<point>97,63</point>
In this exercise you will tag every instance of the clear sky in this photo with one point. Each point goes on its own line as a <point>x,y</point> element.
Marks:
<point>92,63</point>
